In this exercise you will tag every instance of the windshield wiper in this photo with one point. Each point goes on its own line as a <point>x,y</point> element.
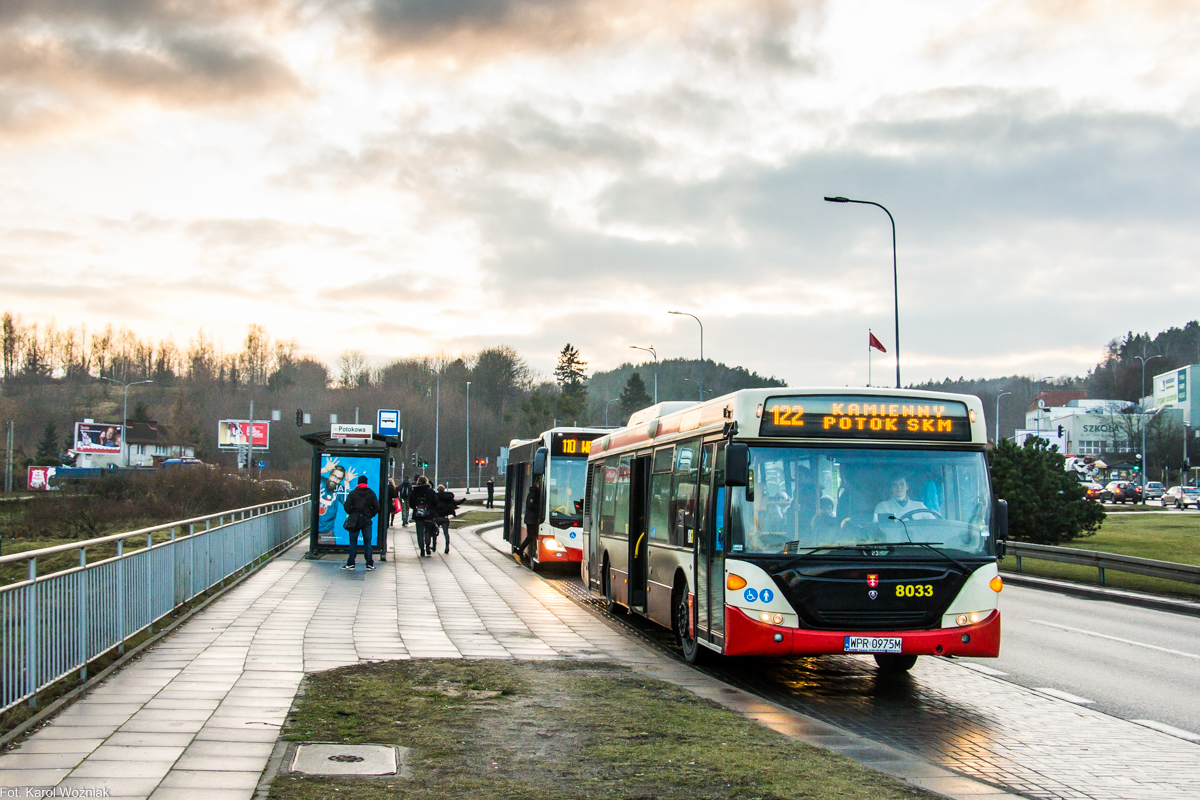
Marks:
<point>931,545</point>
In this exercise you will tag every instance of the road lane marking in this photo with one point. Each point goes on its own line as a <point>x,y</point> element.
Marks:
<point>1170,730</point>
<point>1116,639</point>
<point>1070,698</point>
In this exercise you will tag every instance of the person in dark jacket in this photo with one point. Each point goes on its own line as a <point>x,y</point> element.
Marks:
<point>424,500</point>
<point>491,484</point>
<point>361,507</point>
<point>405,506</point>
<point>533,518</point>
<point>447,507</point>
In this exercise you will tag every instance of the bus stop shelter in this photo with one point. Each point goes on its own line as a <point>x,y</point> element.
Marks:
<point>337,464</point>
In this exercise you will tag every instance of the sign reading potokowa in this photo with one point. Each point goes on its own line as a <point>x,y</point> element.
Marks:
<point>865,417</point>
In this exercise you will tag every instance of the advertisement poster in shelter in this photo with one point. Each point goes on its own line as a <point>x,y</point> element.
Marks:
<point>339,476</point>
<point>98,437</point>
<point>235,433</point>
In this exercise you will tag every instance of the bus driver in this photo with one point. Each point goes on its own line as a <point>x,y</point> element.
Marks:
<point>900,503</point>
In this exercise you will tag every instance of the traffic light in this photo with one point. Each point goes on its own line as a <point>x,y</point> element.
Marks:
<point>424,465</point>
<point>299,417</point>
<point>1060,431</point>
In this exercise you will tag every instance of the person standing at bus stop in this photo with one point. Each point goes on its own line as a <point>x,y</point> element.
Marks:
<point>405,508</point>
<point>361,507</point>
<point>533,517</point>
<point>491,486</point>
<point>447,507</point>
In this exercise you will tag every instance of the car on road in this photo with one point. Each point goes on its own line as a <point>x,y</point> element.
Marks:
<point>1153,490</point>
<point>1093,489</point>
<point>1182,497</point>
<point>1122,492</point>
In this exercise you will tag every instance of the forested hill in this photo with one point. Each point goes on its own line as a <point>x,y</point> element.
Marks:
<point>673,373</point>
<point>1116,377</point>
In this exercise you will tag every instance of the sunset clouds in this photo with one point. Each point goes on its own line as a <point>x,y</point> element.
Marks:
<point>408,176</point>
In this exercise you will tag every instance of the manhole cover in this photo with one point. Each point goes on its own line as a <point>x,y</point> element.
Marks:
<point>318,758</point>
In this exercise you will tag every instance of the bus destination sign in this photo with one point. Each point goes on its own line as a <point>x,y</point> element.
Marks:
<point>865,417</point>
<point>571,444</point>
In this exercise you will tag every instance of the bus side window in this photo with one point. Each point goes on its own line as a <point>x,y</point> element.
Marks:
<point>608,504</point>
<point>660,494</point>
<point>621,513</point>
<point>684,478</point>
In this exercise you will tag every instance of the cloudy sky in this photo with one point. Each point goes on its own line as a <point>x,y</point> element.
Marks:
<point>413,176</point>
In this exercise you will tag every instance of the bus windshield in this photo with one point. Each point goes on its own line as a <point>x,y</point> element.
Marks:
<point>567,480</point>
<point>806,498</point>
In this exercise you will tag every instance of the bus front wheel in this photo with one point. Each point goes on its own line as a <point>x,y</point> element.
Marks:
<point>894,662</point>
<point>692,651</point>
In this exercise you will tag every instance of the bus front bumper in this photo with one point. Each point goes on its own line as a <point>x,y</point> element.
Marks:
<point>745,636</point>
<point>551,550</point>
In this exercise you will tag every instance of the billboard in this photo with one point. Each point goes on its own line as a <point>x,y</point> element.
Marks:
<point>37,479</point>
<point>98,437</point>
<point>339,475</point>
<point>235,433</point>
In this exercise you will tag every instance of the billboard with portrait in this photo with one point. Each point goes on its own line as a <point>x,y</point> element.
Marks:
<point>339,475</point>
<point>235,433</point>
<point>98,437</point>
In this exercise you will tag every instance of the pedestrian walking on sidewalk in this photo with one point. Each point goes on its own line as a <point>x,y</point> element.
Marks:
<point>405,506</point>
<point>393,502</point>
<point>361,507</point>
<point>491,501</point>
<point>424,502</point>
<point>447,507</point>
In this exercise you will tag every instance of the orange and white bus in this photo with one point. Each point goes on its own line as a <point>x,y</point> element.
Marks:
<point>555,465</point>
<point>775,522</point>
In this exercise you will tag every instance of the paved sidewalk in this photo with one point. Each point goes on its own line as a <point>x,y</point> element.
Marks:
<point>197,716</point>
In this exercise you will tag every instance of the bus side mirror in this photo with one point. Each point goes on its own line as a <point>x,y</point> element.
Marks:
<point>539,461</point>
<point>1000,526</point>
<point>737,465</point>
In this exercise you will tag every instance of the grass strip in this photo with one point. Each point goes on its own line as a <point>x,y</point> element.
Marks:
<point>556,729</point>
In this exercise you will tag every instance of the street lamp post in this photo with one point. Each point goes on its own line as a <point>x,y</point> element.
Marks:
<point>652,352</point>
<point>699,386</point>
<point>125,417</point>
<point>468,437</point>
<point>437,425</point>
<point>606,405</point>
<point>701,324</point>
<point>1142,405</point>
<point>895,275</point>
<point>997,440</point>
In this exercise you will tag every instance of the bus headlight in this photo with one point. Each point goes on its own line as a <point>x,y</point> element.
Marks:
<point>771,619</point>
<point>971,617</point>
<point>553,544</point>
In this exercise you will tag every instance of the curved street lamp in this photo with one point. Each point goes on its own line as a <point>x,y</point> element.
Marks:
<point>606,405</point>
<point>125,419</point>
<point>997,439</point>
<point>437,425</point>
<point>701,324</point>
<point>895,278</point>
<point>654,353</point>
<point>1142,404</point>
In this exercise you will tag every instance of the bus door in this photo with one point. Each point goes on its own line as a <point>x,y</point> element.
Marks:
<point>592,527</point>
<point>710,546</point>
<point>512,503</point>
<point>639,480</point>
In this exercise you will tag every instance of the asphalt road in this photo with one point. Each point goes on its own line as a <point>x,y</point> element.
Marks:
<point>1133,663</point>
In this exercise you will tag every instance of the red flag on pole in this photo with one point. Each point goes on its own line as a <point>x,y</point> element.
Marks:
<point>873,342</point>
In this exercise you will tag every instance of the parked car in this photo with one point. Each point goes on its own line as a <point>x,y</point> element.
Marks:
<point>1122,492</point>
<point>1182,497</point>
<point>1153,491</point>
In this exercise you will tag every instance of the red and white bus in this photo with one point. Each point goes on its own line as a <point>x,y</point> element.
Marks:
<point>555,465</point>
<point>776,522</point>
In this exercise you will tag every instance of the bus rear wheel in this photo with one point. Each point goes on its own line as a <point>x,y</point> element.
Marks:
<point>894,663</point>
<point>692,651</point>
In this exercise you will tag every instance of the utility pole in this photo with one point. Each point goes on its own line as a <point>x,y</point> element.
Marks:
<point>250,443</point>
<point>125,418</point>
<point>437,426</point>
<point>8,457</point>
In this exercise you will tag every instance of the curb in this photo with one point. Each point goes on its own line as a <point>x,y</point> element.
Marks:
<point>1086,592</point>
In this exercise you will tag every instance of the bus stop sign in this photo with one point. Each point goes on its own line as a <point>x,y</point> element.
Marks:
<point>388,422</point>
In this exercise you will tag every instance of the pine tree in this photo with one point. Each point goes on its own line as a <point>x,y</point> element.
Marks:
<point>634,396</point>
<point>571,376</point>
<point>47,449</point>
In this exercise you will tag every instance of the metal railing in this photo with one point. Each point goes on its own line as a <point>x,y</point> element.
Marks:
<point>1105,561</point>
<point>55,624</point>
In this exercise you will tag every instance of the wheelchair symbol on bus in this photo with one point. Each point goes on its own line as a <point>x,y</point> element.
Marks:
<point>766,595</point>
<point>751,595</point>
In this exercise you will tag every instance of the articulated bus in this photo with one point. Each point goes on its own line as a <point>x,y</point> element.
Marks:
<point>778,522</point>
<point>555,465</point>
